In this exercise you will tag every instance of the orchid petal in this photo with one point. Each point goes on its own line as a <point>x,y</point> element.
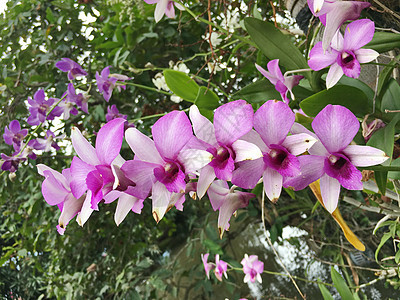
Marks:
<point>217,193</point>
<point>267,74</point>
<point>334,74</point>
<point>83,148</point>
<point>141,173</point>
<point>109,140</point>
<point>272,184</point>
<point>316,149</point>
<point>311,169</point>
<point>194,159</point>
<point>202,127</point>
<point>245,151</point>
<point>171,133</point>
<point>142,146</point>
<point>170,10</point>
<point>273,121</point>
<point>365,55</point>
<point>330,189</point>
<point>53,190</point>
<point>248,173</point>
<point>335,127</point>
<point>79,172</point>
<point>160,10</point>
<point>365,156</point>
<point>299,143</point>
<point>339,167</point>
<point>206,177</point>
<point>125,204</point>
<point>320,59</point>
<point>358,34</point>
<point>232,121</point>
<point>86,210</point>
<point>160,200</point>
<point>253,137</point>
<point>70,209</point>
<point>43,169</point>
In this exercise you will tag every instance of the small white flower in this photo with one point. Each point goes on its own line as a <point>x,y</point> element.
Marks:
<point>176,99</point>
<point>215,40</point>
<point>159,82</point>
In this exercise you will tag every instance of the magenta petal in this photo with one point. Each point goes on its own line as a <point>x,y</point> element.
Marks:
<point>206,177</point>
<point>253,137</point>
<point>334,74</point>
<point>109,140</point>
<point>358,34</point>
<point>330,189</point>
<point>267,74</point>
<point>141,173</point>
<point>171,133</point>
<point>142,146</point>
<point>338,166</point>
<point>272,184</point>
<point>125,204</point>
<point>223,170</point>
<point>248,173</point>
<point>53,190</point>
<point>70,209</point>
<point>64,66</point>
<point>94,183</point>
<point>170,10</point>
<point>335,127</point>
<point>83,148</point>
<point>232,120</point>
<point>172,177</point>
<point>273,121</point>
<point>311,169</point>
<point>320,59</point>
<point>86,210</point>
<point>79,172</point>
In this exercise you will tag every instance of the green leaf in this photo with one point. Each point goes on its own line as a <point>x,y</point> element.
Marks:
<point>381,180</point>
<point>181,85</point>
<point>391,97</point>
<point>395,174</point>
<point>348,96</point>
<point>212,246</point>
<point>384,41</point>
<point>397,257</point>
<point>385,75</point>
<point>108,45</point>
<point>257,92</point>
<point>206,101</point>
<point>341,285</point>
<point>354,82</point>
<point>275,45</point>
<point>384,239</point>
<point>324,291</point>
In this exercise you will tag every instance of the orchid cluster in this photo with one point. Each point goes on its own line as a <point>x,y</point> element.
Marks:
<point>42,110</point>
<point>252,267</point>
<point>192,155</point>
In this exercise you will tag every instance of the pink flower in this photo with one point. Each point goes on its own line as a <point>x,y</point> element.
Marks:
<point>252,267</point>
<point>220,268</point>
<point>207,266</point>
<point>164,7</point>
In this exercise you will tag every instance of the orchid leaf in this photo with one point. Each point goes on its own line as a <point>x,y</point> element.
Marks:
<point>324,291</point>
<point>384,41</point>
<point>275,45</point>
<point>381,180</point>
<point>206,101</point>
<point>341,285</point>
<point>384,76</point>
<point>384,239</point>
<point>351,97</point>
<point>181,85</point>
<point>257,92</point>
<point>391,97</point>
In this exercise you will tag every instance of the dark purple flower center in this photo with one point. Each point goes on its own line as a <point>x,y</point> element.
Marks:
<point>347,59</point>
<point>76,71</point>
<point>43,109</point>
<point>168,173</point>
<point>222,154</point>
<point>337,162</point>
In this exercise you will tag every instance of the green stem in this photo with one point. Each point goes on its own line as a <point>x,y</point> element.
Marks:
<point>148,88</point>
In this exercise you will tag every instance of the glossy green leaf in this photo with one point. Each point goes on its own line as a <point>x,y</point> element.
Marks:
<point>354,82</point>
<point>206,101</point>
<point>348,96</point>
<point>384,76</point>
<point>181,85</point>
<point>324,291</point>
<point>384,41</point>
<point>257,92</point>
<point>395,174</point>
<point>275,45</point>
<point>391,97</point>
<point>384,239</point>
<point>381,180</point>
<point>341,285</point>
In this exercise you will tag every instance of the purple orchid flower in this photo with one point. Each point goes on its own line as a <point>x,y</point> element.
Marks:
<point>13,135</point>
<point>79,99</point>
<point>74,69</point>
<point>332,159</point>
<point>282,84</point>
<point>253,268</point>
<point>207,266</point>
<point>28,149</point>
<point>369,129</point>
<point>231,121</point>
<point>162,166</point>
<point>11,163</point>
<point>113,113</point>
<point>56,190</point>
<point>272,123</point>
<point>39,108</point>
<point>106,82</point>
<point>48,142</point>
<point>333,13</point>
<point>346,55</point>
<point>164,7</point>
<point>93,170</point>
<point>227,201</point>
<point>220,268</point>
